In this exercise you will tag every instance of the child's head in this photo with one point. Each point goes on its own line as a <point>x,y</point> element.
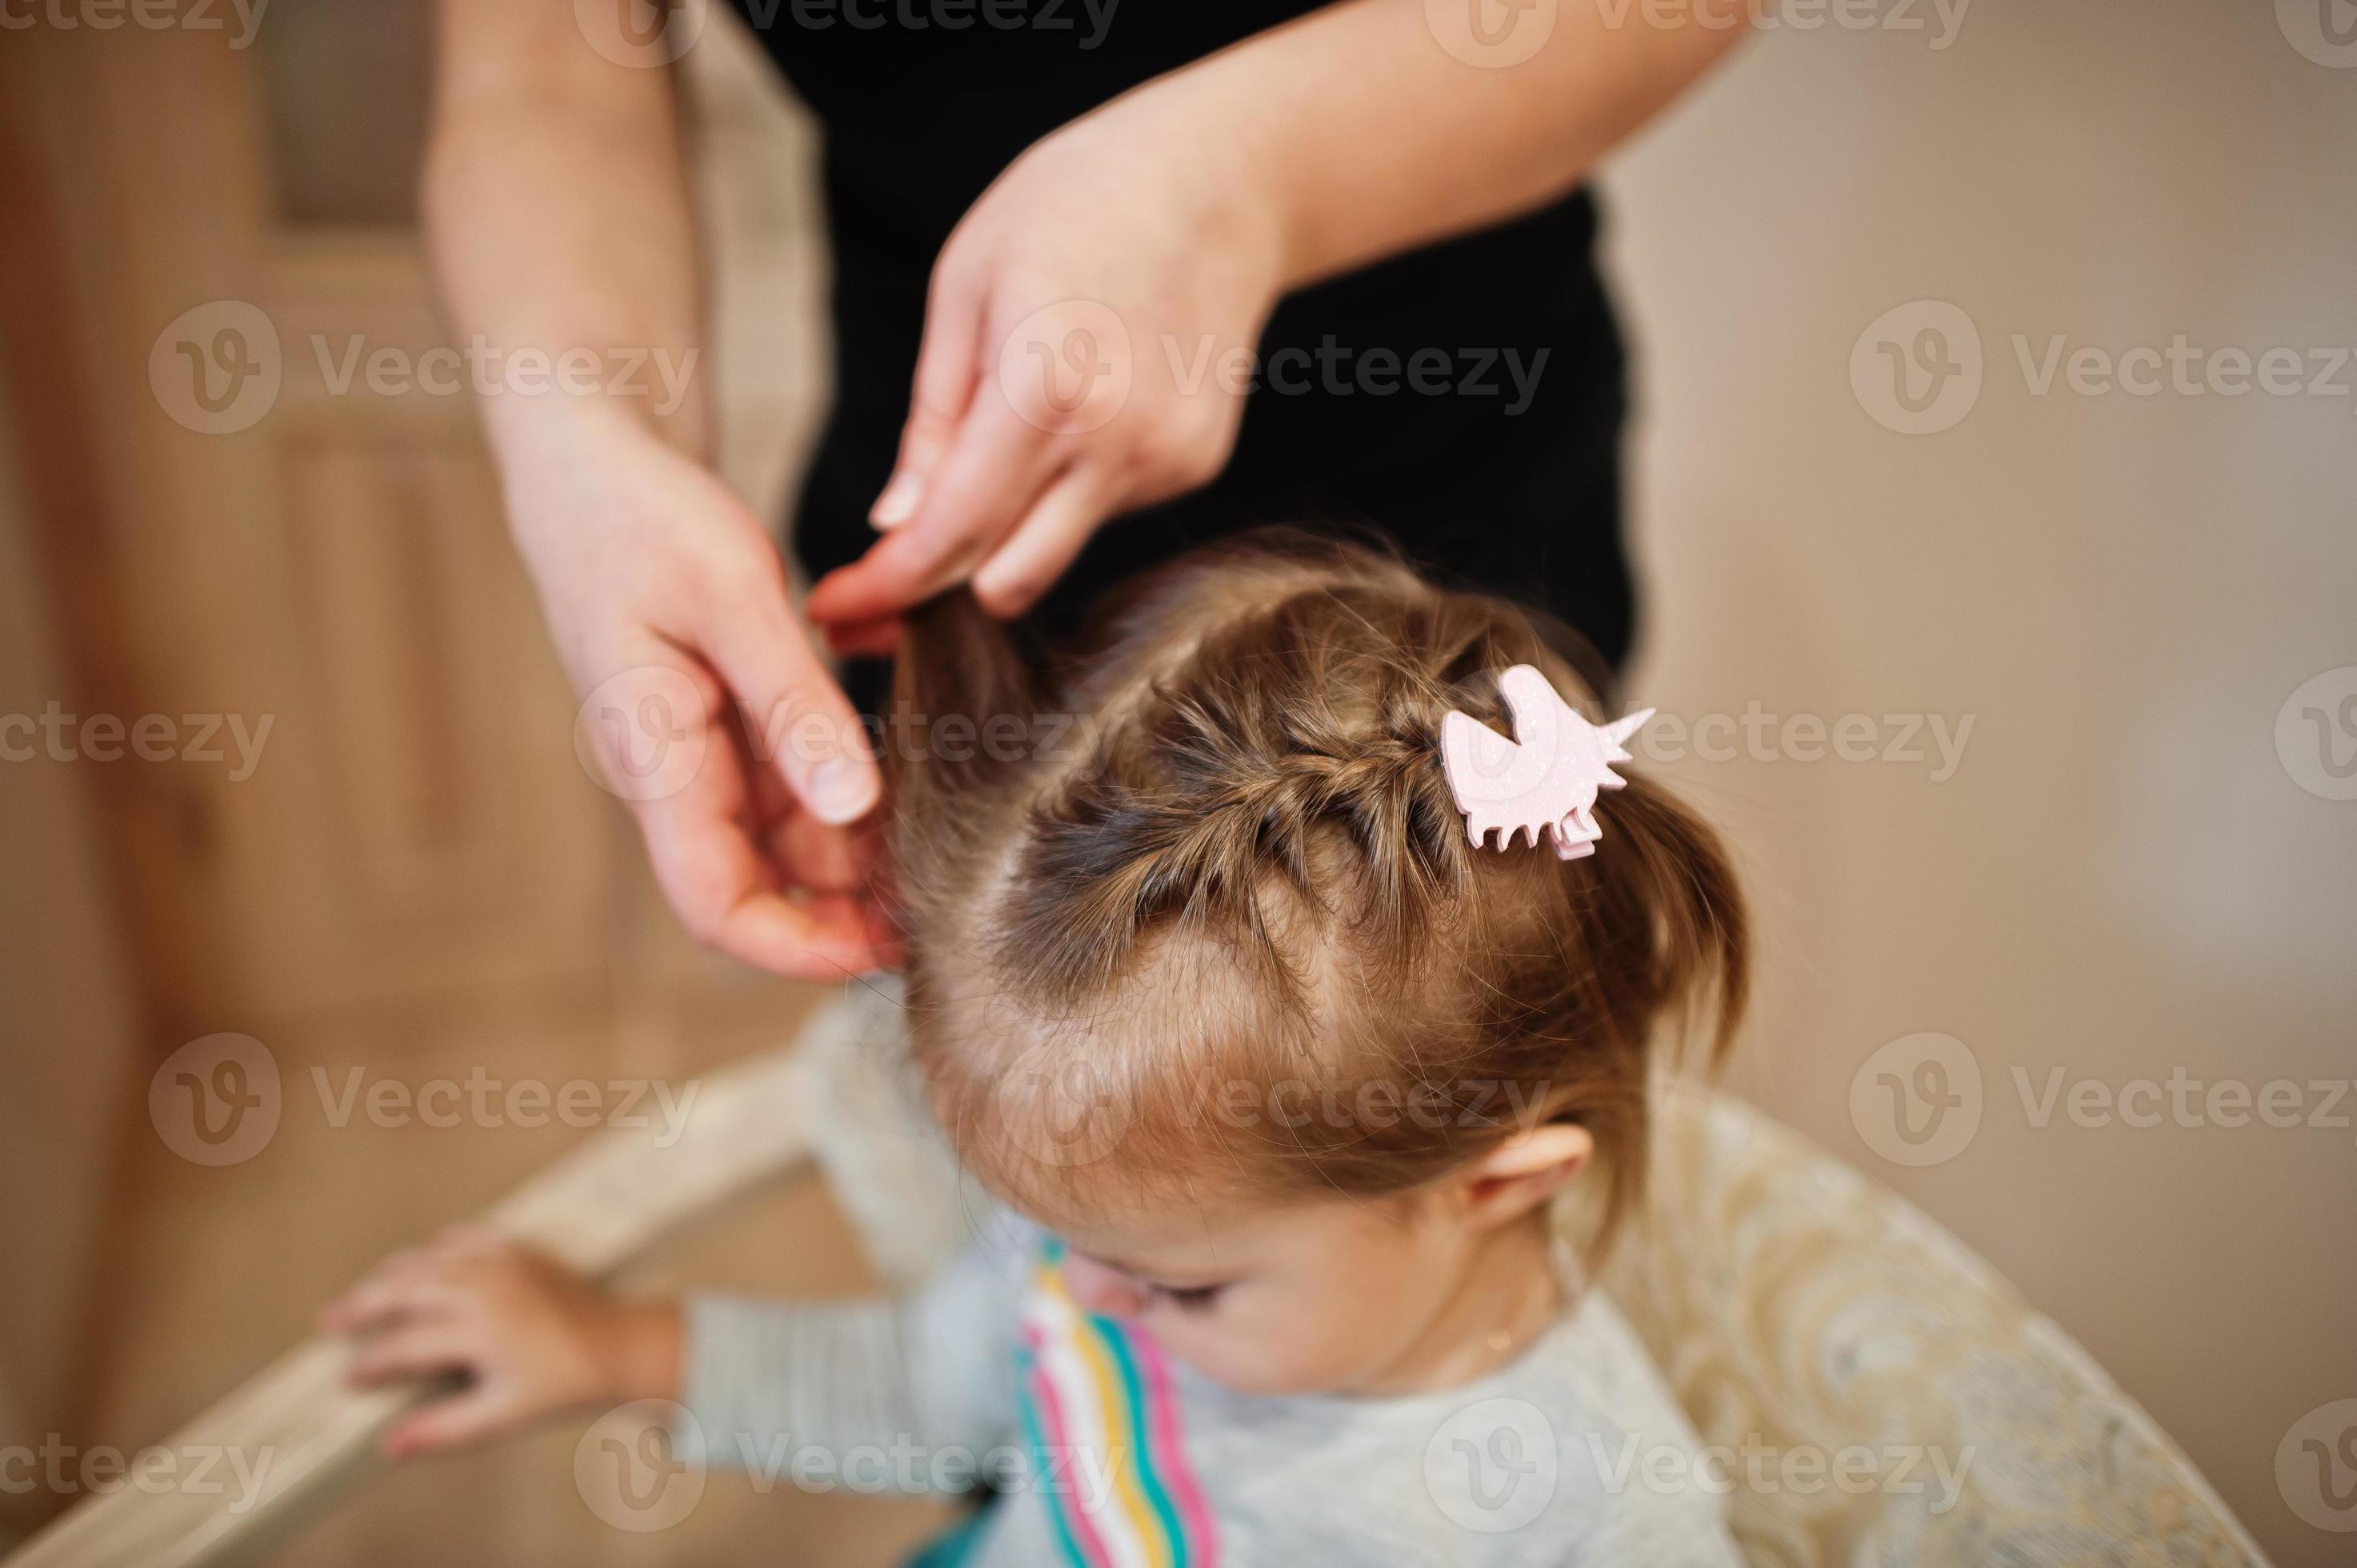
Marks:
<point>1213,984</point>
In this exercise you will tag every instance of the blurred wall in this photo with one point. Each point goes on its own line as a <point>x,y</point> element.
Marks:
<point>2121,877</point>
<point>66,1034</point>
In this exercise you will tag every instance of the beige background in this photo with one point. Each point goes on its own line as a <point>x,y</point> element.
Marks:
<point>2121,878</point>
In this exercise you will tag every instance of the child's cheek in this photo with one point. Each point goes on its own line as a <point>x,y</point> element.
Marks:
<point>1255,1353</point>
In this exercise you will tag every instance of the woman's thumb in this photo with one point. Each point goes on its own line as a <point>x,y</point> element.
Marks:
<point>795,716</point>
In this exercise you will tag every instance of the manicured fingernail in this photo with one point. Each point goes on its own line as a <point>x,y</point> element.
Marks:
<point>898,504</point>
<point>841,790</point>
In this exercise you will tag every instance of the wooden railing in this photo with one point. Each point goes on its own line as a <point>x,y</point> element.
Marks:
<point>595,1210</point>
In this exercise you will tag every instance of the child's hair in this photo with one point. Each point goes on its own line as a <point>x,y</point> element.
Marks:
<point>1209,870</point>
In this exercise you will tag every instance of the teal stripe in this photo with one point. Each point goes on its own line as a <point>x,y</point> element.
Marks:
<point>956,1546</point>
<point>1150,1480</point>
<point>1026,1369</point>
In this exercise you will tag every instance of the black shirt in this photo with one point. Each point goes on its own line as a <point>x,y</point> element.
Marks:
<point>1498,463</point>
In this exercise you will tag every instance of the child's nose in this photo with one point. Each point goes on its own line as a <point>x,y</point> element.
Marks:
<point>1107,1292</point>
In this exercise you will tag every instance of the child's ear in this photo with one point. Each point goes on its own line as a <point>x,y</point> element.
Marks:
<point>1524,1172</point>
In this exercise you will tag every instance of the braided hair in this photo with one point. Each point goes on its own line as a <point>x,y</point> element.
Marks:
<point>1242,865</point>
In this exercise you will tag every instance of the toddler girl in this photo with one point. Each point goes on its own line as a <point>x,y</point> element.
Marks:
<point>1276,1072</point>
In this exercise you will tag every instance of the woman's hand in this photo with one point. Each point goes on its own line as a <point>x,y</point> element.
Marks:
<point>530,1338</point>
<point>1136,254</point>
<point>1083,356</point>
<point>706,708</point>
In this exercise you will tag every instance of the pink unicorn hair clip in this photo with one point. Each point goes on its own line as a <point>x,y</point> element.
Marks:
<point>1544,780</point>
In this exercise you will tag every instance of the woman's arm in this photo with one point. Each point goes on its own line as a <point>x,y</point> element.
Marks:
<point>1376,125</point>
<point>557,214</point>
<point>555,203</point>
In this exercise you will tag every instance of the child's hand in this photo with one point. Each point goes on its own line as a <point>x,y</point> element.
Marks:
<point>529,1337</point>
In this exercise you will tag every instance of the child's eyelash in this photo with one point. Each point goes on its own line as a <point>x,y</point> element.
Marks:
<point>1195,1298</point>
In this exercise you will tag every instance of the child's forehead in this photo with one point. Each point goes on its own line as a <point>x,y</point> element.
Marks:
<point>1174,1238</point>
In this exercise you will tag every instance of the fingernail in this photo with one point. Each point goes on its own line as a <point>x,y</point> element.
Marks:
<point>841,790</point>
<point>898,504</point>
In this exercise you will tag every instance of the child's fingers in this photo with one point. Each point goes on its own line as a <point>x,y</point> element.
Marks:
<point>405,1288</point>
<point>468,1416</point>
<point>427,1349</point>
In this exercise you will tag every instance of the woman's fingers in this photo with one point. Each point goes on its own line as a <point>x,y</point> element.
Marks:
<point>866,638</point>
<point>726,891</point>
<point>1042,545</point>
<point>988,481</point>
<point>795,715</point>
<point>941,393</point>
<point>788,716</point>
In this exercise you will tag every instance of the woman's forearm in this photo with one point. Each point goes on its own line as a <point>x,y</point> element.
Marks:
<point>558,212</point>
<point>1367,136</point>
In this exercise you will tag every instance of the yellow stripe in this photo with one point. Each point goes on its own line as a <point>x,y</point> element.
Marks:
<point>1113,1404</point>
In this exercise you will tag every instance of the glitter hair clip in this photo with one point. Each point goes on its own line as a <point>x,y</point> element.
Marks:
<point>1544,780</point>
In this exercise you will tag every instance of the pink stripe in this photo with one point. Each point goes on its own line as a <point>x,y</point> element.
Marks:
<point>1076,1518</point>
<point>1176,1474</point>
